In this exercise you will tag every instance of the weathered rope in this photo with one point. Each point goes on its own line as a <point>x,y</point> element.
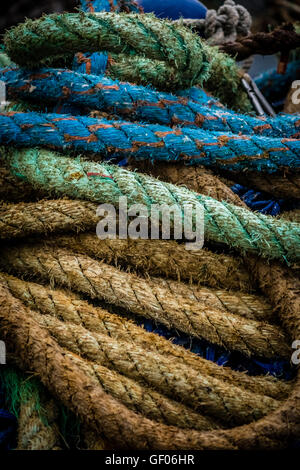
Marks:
<point>223,25</point>
<point>119,424</point>
<point>228,403</point>
<point>46,216</point>
<point>150,141</point>
<point>33,433</point>
<point>246,305</point>
<point>165,259</point>
<point>13,189</point>
<point>158,258</point>
<point>173,304</point>
<point>68,307</point>
<point>32,43</point>
<point>171,56</point>
<point>292,215</point>
<point>283,38</point>
<point>137,103</point>
<point>282,185</point>
<point>275,86</point>
<point>200,180</point>
<point>36,412</point>
<point>224,223</point>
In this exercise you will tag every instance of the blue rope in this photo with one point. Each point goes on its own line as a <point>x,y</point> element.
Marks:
<point>139,103</point>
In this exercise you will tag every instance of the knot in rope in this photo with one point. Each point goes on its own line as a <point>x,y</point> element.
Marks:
<point>223,25</point>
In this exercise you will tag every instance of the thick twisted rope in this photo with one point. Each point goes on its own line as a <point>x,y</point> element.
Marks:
<point>137,103</point>
<point>224,223</point>
<point>223,25</point>
<point>150,141</point>
<point>283,38</point>
<point>181,56</point>
<point>143,399</point>
<point>110,416</point>
<point>227,403</point>
<point>282,185</point>
<point>200,180</point>
<point>174,305</point>
<point>248,306</point>
<point>159,258</point>
<point>44,217</point>
<point>171,56</point>
<point>68,307</point>
<point>33,432</point>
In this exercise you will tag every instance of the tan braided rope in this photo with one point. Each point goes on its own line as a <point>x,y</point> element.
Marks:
<point>68,307</point>
<point>147,298</point>
<point>122,426</point>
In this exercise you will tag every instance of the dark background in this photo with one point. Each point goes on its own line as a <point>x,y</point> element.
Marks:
<point>265,12</point>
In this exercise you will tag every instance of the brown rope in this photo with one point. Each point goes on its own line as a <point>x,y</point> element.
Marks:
<point>34,348</point>
<point>285,186</point>
<point>157,299</point>
<point>282,39</point>
<point>68,307</point>
<point>33,431</point>
<point>23,219</point>
<point>201,180</point>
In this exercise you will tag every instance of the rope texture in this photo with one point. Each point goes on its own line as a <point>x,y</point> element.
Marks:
<point>150,141</point>
<point>194,312</point>
<point>224,223</point>
<point>105,413</point>
<point>171,56</point>
<point>68,307</point>
<point>137,103</point>
<point>223,25</point>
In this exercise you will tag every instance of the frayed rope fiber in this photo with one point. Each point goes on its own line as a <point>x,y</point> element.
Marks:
<point>142,48</point>
<point>224,223</point>
<point>149,141</point>
<point>138,103</point>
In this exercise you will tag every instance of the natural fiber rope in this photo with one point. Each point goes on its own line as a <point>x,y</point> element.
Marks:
<point>137,103</point>
<point>46,216</point>
<point>283,38</point>
<point>282,185</point>
<point>150,141</point>
<point>68,307</point>
<point>228,404</point>
<point>200,180</point>
<point>224,223</point>
<point>165,258</point>
<point>201,392</point>
<point>292,215</point>
<point>13,189</point>
<point>171,56</point>
<point>124,427</point>
<point>248,306</point>
<point>33,433</point>
<point>172,304</point>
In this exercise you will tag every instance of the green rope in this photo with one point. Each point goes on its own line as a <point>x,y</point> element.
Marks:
<point>104,183</point>
<point>142,48</point>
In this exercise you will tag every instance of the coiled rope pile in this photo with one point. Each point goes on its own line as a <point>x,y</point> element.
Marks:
<point>75,310</point>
